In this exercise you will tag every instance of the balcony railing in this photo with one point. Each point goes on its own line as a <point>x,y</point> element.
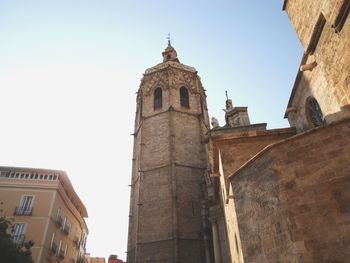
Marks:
<point>66,229</point>
<point>58,220</point>
<point>23,211</point>
<point>61,254</point>
<point>18,239</point>
<point>53,248</point>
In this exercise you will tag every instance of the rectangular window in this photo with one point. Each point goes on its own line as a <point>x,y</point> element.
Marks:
<point>342,16</point>
<point>58,212</point>
<point>58,218</point>
<point>316,35</point>
<point>66,226</point>
<point>59,247</point>
<point>27,201</point>
<point>26,206</point>
<point>18,233</point>
<point>52,239</point>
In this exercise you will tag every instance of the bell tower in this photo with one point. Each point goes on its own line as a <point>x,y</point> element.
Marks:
<point>167,220</point>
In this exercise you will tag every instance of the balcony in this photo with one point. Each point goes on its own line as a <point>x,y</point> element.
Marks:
<point>60,254</point>
<point>58,220</point>
<point>23,211</point>
<point>53,248</point>
<point>18,239</point>
<point>66,229</point>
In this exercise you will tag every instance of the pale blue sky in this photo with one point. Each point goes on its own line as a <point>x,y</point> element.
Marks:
<point>69,71</point>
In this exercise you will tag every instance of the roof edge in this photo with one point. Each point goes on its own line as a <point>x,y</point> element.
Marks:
<point>273,145</point>
<point>295,85</point>
<point>167,64</point>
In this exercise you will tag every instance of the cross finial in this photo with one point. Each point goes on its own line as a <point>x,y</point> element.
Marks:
<point>169,41</point>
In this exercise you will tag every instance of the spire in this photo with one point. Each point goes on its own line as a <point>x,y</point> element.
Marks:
<point>169,53</point>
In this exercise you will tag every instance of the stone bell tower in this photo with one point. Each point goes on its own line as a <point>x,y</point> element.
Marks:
<point>167,220</point>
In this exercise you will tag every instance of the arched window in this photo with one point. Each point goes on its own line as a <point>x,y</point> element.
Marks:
<point>313,112</point>
<point>184,97</point>
<point>158,98</point>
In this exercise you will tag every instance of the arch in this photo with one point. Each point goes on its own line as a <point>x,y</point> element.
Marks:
<point>158,98</point>
<point>184,98</point>
<point>313,112</point>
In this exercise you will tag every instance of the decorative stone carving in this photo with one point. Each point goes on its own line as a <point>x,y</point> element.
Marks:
<point>180,77</point>
<point>158,78</point>
<point>229,105</point>
<point>214,123</point>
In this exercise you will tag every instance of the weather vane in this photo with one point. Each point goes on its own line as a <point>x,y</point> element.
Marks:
<point>169,41</point>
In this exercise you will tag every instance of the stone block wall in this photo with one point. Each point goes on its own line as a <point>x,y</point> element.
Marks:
<point>155,142</point>
<point>188,140</point>
<point>329,81</point>
<point>236,146</point>
<point>312,83</point>
<point>242,143</point>
<point>169,162</point>
<point>293,199</point>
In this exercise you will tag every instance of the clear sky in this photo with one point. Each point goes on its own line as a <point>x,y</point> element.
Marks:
<point>69,71</point>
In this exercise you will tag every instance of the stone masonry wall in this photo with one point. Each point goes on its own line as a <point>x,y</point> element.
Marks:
<point>293,200</point>
<point>155,152</point>
<point>188,141</point>
<point>168,167</point>
<point>329,81</point>
<point>236,148</point>
<point>312,83</point>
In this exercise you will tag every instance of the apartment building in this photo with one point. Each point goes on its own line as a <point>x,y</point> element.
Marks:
<point>44,208</point>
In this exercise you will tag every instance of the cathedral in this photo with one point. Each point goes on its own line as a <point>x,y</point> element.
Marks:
<point>205,193</point>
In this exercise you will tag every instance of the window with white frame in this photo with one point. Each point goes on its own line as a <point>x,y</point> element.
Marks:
<point>26,206</point>
<point>59,247</point>
<point>53,245</point>
<point>18,233</point>
<point>58,218</point>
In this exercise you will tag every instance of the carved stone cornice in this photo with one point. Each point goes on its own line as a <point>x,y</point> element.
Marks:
<point>169,76</point>
<point>170,64</point>
<point>159,78</point>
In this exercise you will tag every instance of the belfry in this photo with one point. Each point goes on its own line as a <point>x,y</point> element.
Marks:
<point>168,219</point>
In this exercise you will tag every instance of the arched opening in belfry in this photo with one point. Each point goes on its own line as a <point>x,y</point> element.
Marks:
<point>184,100</point>
<point>158,98</point>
